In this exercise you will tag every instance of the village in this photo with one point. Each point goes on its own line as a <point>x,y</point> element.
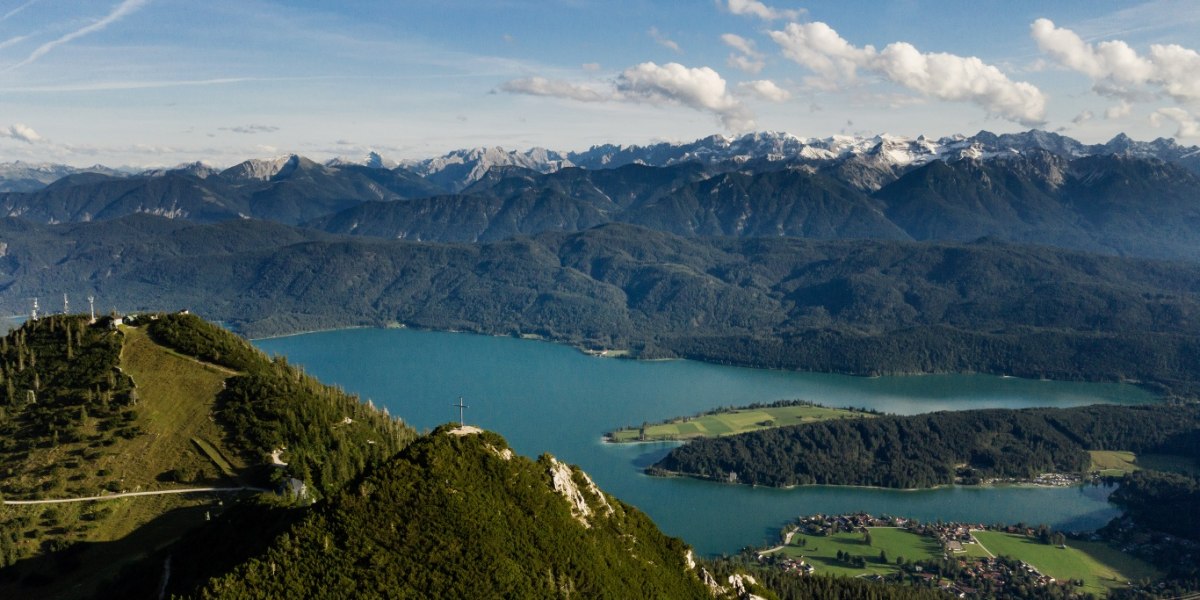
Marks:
<point>944,555</point>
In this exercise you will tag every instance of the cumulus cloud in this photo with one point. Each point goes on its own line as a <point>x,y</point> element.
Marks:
<point>556,88</point>
<point>662,40</point>
<point>251,129</point>
<point>1188,126</point>
<point>699,88</point>
<point>1083,117</point>
<point>23,133</point>
<point>747,58</point>
<point>754,8</point>
<point>124,9</point>
<point>765,89</point>
<point>936,75</point>
<point>1118,70</point>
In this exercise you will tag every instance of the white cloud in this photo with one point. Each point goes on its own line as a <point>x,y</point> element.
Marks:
<point>1083,117</point>
<point>934,74</point>
<point>13,41</point>
<point>820,48</point>
<point>745,63</point>
<point>747,58</point>
<point>22,133</point>
<point>1187,124</point>
<point>251,129</point>
<point>699,88</point>
<point>124,9</point>
<point>1119,111</point>
<point>556,88</point>
<point>765,89</point>
<point>591,67</point>
<point>1178,71</point>
<point>739,43</point>
<point>664,41</point>
<point>755,8</point>
<point>1118,70</point>
<point>16,10</point>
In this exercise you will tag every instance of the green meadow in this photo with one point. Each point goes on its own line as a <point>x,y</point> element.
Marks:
<point>821,551</point>
<point>733,421</point>
<point>1101,567</point>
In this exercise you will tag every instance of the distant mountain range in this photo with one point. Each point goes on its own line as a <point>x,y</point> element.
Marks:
<point>1124,197</point>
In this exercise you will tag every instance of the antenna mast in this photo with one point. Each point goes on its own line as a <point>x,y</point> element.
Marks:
<point>92,307</point>
<point>66,305</point>
<point>33,316</point>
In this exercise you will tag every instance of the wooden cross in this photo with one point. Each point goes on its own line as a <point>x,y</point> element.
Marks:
<point>460,406</point>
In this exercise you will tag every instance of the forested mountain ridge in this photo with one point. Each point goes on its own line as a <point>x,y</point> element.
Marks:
<point>937,448</point>
<point>457,515</point>
<point>865,307</point>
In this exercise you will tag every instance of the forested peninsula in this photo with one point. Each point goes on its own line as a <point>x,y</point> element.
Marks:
<point>937,448</point>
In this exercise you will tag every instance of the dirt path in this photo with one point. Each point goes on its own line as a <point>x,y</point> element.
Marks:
<point>132,494</point>
<point>985,548</point>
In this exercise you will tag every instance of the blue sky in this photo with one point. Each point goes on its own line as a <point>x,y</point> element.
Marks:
<point>158,82</point>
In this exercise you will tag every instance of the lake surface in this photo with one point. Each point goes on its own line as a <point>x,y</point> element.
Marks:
<point>545,397</point>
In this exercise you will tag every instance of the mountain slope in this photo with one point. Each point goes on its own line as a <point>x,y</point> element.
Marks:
<point>458,515</point>
<point>465,218</point>
<point>780,203</point>
<point>167,404</point>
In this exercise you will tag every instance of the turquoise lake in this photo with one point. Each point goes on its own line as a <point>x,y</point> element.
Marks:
<point>545,397</point>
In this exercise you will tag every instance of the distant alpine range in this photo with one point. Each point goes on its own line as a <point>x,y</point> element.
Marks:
<point>1027,254</point>
<point>1123,197</point>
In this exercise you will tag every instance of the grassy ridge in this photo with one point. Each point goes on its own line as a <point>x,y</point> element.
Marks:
<point>67,550</point>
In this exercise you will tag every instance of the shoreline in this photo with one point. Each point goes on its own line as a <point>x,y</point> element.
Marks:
<point>322,330</point>
<point>942,486</point>
<point>1150,388</point>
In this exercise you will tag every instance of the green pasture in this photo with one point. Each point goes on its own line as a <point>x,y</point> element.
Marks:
<point>732,422</point>
<point>1116,463</point>
<point>821,551</point>
<point>1101,567</point>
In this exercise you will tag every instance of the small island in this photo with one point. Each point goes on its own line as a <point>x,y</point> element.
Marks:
<point>731,420</point>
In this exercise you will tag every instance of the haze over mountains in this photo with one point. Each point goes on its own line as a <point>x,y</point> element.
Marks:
<point>1123,197</point>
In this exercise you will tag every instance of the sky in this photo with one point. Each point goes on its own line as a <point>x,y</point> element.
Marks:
<point>161,82</point>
